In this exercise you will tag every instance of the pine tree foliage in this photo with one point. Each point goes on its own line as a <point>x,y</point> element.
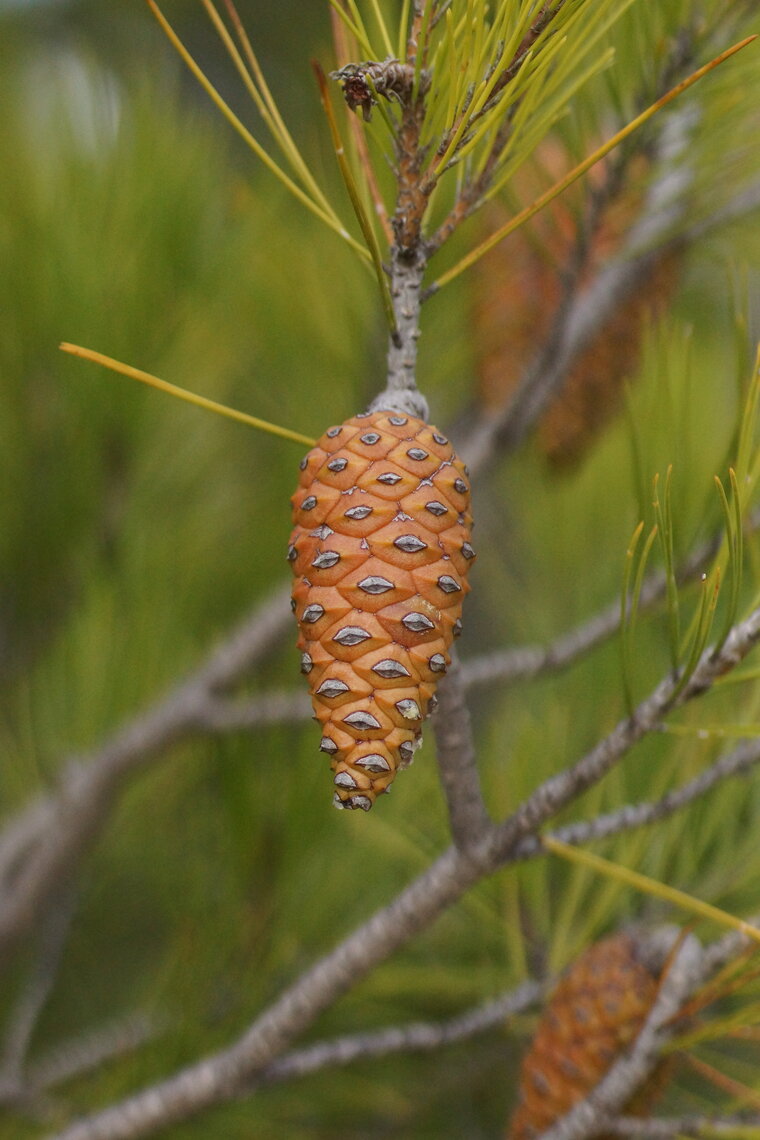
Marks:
<point>534,224</point>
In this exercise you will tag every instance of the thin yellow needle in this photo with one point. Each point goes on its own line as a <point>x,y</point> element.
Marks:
<point>183,394</point>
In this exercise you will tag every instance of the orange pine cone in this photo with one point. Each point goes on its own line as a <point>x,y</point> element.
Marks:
<point>596,1011</point>
<point>380,551</point>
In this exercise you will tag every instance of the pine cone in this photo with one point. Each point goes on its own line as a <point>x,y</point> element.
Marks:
<point>519,289</point>
<point>596,1011</point>
<point>380,551</point>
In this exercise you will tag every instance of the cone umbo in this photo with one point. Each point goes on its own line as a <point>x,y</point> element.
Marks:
<point>597,1009</point>
<point>380,552</point>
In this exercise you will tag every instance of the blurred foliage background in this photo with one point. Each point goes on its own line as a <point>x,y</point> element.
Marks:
<point>134,531</point>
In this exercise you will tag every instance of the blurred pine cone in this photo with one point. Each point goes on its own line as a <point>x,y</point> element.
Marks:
<point>519,289</point>
<point>595,1012</point>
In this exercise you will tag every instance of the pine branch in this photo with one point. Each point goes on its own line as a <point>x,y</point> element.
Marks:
<point>401,394</point>
<point>739,762</point>
<point>560,790</point>
<point>415,1037</point>
<point>457,764</point>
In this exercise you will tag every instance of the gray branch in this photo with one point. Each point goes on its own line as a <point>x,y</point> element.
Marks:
<point>457,763</point>
<point>401,394</point>
<point>416,1037</point>
<point>556,792</point>
<point>736,763</point>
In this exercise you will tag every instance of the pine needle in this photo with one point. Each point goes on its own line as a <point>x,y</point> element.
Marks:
<point>326,216</point>
<point>582,167</point>
<point>648,886</point>
<point>183,394</point>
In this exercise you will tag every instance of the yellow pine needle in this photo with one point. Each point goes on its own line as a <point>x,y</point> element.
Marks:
<point>353,22</point>
<point>384,34</point>
<point>741,1093</point>
<point>579,170</point>
<point>746,730</point>
<point>731,1025</point>
<point>183,394</point>
<point>734,1132</point>
<point>649,886</point>
<point>402,33</point>
<point>258,89</point>
<point>326,216</point>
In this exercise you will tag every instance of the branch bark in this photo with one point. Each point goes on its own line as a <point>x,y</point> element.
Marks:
<point>457,763</point>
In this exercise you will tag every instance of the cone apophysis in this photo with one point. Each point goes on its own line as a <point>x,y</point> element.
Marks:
<point>380,552</point>
<point>595,1012</point>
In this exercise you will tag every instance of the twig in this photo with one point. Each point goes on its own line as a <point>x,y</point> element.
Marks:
<point>277,706</point>
<point>416,1037</point>
<point>529,661</point>
<point>556,792</point>
<point>457,765</point>
<point>738,762</point>
<point>400,393</point>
